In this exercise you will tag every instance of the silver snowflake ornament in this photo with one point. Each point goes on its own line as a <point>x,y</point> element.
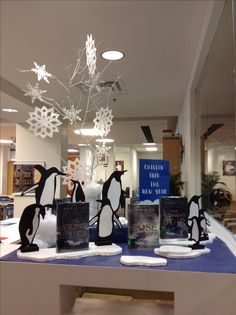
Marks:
<point>72,114</point>
<point>103,120</point>
<point>41,72</point>
<point>34,92</point>
<point>91,55</point>
<point>73,170</point>
<point>43,122</point>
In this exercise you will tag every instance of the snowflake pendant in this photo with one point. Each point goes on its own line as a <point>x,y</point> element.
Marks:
<point>103,121</point>
<point>72,114</point>
<point>43,122</point>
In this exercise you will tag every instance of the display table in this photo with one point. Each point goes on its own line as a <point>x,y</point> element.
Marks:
<point>204,285</point>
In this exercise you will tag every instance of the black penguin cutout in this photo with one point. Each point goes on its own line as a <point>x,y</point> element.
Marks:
<point>46,187</point>
<point>112,199</point>
<point>196,223</point>
<point>28,226</point>
<point>77,193</point>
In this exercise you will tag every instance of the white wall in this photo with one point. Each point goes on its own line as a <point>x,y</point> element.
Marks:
<point>4,157</point>
<point>34,149</point>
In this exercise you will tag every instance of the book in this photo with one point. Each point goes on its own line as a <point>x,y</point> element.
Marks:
<point>72,226</point>
<point>173,218</point>
<point>143,226</point>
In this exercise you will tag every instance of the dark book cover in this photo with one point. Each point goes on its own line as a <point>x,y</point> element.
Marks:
<point>143,226</point>
<point>72,226</point>
<point>173,218</point>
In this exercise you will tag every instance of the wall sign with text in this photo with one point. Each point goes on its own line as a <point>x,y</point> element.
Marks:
<point>154,178</point>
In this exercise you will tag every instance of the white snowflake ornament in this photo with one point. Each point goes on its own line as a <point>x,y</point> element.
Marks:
<point>91,55</point>
<point>43,122</point>
<point>103,120</point>
<point>72,114</point>
<point>41,72</point>
<point>73,171</point>
<point>34,92</point>
<point>102,151</point>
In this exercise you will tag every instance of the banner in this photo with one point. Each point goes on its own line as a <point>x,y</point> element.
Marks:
<point>154,178</point>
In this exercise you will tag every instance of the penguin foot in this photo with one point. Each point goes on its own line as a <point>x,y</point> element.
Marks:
<point>29,248</point>
<point>197,246</point>
<point>103,241</point>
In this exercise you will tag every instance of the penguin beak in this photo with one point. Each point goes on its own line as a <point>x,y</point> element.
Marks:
<point>124,171</point>
<point>60,173</point>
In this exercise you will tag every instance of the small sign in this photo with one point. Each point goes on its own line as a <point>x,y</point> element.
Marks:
<point>154,179</point>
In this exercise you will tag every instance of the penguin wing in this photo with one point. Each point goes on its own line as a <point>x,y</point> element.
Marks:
<point>29,189</point>
<point>122,199</point>
<point>117,221</point>
<point>93,220</point>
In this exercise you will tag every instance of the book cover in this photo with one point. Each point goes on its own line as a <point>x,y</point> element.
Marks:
<point>72,226</point>
<point>143,226</point>
<point>173,218</point>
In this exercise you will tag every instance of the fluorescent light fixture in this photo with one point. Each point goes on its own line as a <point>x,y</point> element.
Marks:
<point>151,149</point>
<point>10,110</point>
<point>71,150</point>
<point>88,132</point>
<point>104,140</point>
<point>83,145</point>
<point>149,143</point>
<point>112,55</point>
<point>4,141</point>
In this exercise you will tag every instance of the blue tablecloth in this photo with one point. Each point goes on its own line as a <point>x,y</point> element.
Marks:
<point>220,260</point>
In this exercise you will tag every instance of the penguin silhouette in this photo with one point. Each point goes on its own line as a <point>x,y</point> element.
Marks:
<point>77,193</point>
<point>28,226</point>
<point>112,199</point>
<point>105,223</point>
<point>112,190</point>
<point>46,187</point>
<point>194,222</point>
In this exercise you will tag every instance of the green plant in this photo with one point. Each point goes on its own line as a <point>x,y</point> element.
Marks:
<point>214,192</point>
<point>176,185</point>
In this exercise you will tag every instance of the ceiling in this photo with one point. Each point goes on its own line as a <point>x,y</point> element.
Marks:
<point>159,39</point>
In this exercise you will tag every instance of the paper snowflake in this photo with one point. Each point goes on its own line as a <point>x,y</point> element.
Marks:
<point>34,92</point>
<point>73,171</point>
<point>103,120</point>
<point>91,55</point>
<point>72,114</point>
<point>102,151</point>
<point>41,72</point>
<point>43,122</point>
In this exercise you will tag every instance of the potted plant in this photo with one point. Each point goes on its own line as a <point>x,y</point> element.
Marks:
<point>214,192</point>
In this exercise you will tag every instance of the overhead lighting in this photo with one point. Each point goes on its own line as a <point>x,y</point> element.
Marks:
<point>71,150</point>
<point>83,145</point>
<point>151,149</point>
<point>149,143</point>
<point>104,140</point>
<point>112,55</point>
<point>88,132</point>
<point>10,110</point>
<point>4,141</point>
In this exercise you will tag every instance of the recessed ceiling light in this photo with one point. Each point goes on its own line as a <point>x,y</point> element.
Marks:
<point>88,132</point>
<point>4,141</point>
<point>112,55</point>
<point>71,150</point>
<point>151,149</point>
<point>104,140</point>
<point>149,143</point>
<point>10,110</point>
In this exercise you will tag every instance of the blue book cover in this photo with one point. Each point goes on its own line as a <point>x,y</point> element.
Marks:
<point>72,226</point>
<point>173,218</point>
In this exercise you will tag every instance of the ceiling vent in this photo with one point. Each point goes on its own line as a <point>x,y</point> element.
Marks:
<point>211,129</point>
<point>147,133</point>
